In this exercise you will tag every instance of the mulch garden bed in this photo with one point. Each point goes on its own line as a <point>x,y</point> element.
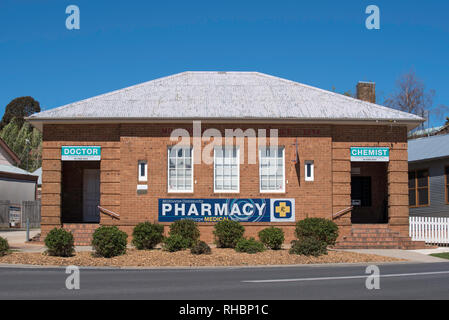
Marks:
<point>219,257</point>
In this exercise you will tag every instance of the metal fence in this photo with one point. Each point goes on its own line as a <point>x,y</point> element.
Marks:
<point>19,213</point>
<point>4,214</point>
<point>31,210</point>
<point>429,229</point>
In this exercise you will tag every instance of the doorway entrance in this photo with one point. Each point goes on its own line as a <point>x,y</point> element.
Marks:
<point>369,193</point>
<point>80,196</point>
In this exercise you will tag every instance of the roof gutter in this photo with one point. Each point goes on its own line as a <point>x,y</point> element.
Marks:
<point>411,124</point>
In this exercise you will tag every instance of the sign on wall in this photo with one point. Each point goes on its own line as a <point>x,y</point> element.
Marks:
<point>370,154</point>
<point>241,210</point>
<point>80,153</point>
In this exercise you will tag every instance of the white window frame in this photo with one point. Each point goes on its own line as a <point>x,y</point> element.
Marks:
<point>312,170</point>
<point>283,171</point>
<point>143,178</point>
<point>168,170</point>
<point>238,171</point>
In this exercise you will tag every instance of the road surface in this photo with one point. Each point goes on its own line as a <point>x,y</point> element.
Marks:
<point>397,281</point>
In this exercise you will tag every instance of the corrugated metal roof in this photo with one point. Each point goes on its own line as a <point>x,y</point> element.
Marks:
<point>38,172</point>
<point>223,95</point>
<point>12,169</point>
<point>428,148</point>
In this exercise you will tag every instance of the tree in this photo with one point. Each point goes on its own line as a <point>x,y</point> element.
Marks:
<point>19,108</point>
<point>411,95</point>
<point>25,141</point>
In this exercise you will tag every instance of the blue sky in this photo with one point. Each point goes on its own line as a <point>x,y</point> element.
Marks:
<point>121,43</point>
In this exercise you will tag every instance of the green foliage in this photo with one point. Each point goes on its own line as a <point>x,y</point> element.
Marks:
<point>272,237</point>
<point>250,245</point>
<point>147,235</point>
<point>200,247</point>
<point>25,141</point>
<point>186,228</point>
<point>19,108</point>
<point>4,247</point>
<point>60,243</point>
<point>309,246</point>
<point>176,242</point>
<point>227,233</point>
<point>109,241</point>
<point>319,228</point>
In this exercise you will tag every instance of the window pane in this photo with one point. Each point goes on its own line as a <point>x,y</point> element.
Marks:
<point>423,196</point>
<point>412,197</point>
<point>411,179</point>
<point>423,178</point>
<point>226,169</point>
<point>272,169</point>
<point>180,169</point>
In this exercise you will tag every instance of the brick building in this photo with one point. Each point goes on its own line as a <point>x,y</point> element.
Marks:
<point>110,159</point>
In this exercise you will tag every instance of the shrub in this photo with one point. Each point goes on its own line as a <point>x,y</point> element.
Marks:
<point>4,247</point>
<point>176,242</point>
<point>109,241</point>
<point>250,245</point>
<point>186,228</point>
<point>319,228</point>
<point>200,247</point>
<point>309,247</point>
<point>228,233</point>
<point>60,243</point>
<point>272,237</point>
<point>147,235</point>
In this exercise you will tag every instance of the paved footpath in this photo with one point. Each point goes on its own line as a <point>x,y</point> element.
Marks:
<point>397,281</point>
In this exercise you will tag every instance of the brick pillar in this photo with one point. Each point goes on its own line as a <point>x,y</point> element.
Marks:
<point>51,188</point>
<point>398,210</point>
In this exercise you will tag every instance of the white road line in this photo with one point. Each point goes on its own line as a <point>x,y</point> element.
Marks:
<point>348,277</point>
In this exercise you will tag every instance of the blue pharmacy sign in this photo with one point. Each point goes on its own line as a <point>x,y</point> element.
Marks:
<point>241,210</point>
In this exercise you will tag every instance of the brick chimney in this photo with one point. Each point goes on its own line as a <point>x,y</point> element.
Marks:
<point>366,91</point>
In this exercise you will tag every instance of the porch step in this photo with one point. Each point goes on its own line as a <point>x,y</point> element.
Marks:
<point>82,232</point>
<point>377,237</point>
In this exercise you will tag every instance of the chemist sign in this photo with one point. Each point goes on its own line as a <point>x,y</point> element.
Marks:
<point>241,210</point>
<point>362,154</point>
<point>80,153</point>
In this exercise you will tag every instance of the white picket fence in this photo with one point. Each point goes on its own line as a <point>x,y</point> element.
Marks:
<point>429,229</point>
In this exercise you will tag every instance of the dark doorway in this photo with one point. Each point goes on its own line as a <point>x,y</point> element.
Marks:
<point>80,192</point>
<point>369,193</point>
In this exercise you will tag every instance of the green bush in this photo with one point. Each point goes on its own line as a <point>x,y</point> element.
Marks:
<point>272,237</point>
<point>250,245</point>
<point>309,247</point>
<point>176,242</point>
<point>319,228</point>
<point>227,233</point>
<point>147,235</point>
<point>60,243</point>
<point>4,247</point>
<point>109,241</point>
<point>200,247</point>
<point>186,228</point>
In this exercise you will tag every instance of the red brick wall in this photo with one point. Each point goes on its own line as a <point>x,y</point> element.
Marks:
<point>123,145</point>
